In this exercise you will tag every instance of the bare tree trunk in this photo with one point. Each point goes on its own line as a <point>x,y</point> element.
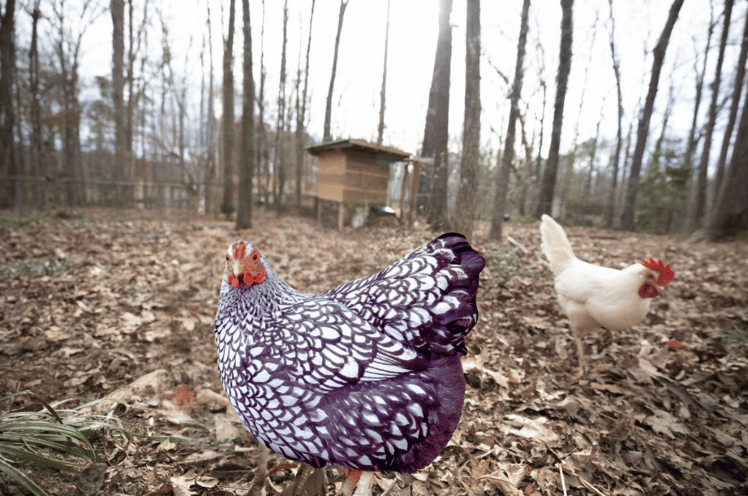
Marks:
<point>570,159</point>
<point>626,163</point>
<point>697,201</point>
<point>468,186</point>
<point>228,114</point>
<point>300,115</point>
<point>548,184</point>
<point>133,96</point>
<point>7,111</point>
<point>632,188</point>
<point>433,186</point>
<point>326,136</point>
<point>730,212</point>
<point>19,146</point>
<point>654,163</point>
<point>262,149</point>
<point>693,137</point>
<point>67,50</point>
<point>118,86</point>
<point>610,207</point>
<point>37,151</point>
<point>593,158</point>
<point>279,174</point>
<point>502,176</point>
<point>247,165</point>
<point>539,158</point>
<point>383,92</point>
<point>526,170</point>
<point>210,166</point>
<point>737,88</point>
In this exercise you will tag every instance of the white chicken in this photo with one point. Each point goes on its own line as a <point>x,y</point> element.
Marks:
<point>593,296</point>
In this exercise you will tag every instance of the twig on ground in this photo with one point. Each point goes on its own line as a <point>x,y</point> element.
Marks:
<point>563,481</point>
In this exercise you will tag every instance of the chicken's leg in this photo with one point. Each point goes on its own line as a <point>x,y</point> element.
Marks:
<point>361,481</point>
<point>580,352</point>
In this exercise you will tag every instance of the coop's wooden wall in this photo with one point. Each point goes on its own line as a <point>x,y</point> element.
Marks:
<point>330,175</point>
<point>351,178</point>
<point>365,180</point>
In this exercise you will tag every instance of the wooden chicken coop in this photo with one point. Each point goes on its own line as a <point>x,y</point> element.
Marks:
<point>352,172</point>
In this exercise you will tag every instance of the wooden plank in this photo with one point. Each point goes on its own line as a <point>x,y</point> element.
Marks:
<point>329,192</point>
<point>366,182</point>
<point>362,196</point>
<point>330,176</point>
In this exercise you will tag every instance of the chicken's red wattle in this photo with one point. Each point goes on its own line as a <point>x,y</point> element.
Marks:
<point>648,290</point>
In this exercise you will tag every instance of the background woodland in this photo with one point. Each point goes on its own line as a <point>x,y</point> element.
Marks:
<point>156,124</point>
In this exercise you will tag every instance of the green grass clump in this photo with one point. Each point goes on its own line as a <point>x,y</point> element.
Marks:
<point>55,438</point>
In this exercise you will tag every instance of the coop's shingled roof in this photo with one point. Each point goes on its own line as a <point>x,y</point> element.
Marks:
<point>384,152</point>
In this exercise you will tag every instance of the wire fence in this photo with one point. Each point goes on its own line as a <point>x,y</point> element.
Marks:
<point>31,193</point>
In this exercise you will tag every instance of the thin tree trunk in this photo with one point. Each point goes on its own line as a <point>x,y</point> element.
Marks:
<point>737,88</point>
<point>20,145</point>
<point>548,184</point>
<point>67,49</point>
<point>37,150</point>
<point>7,111</point>
<point>228,114</point>
<point>539,158</point>
<point>526,169</point>
<point>587,187</point>
<point>300,115</point>
<point>432,184</point>
<point>210,169</point>
<point>262,148</point>
<point>654,163</point>
<point>502,176</point>
<point>693,138</point>
<point>133,96</point>
<point>279,177</point>
<point>383,92</point>
<point>697,201</point>
<point>610,207</point>
<point>632,188</point>
<point>468,186</point>
<point>118,86</point>
<point>246,166</point>
<point>328,108</point>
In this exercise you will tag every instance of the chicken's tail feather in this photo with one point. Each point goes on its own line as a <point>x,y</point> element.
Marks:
<point>426,300</point>
<point>555,244</point>
<point>457,312</point>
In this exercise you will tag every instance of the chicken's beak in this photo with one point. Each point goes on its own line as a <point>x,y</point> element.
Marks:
<point>237,268</point>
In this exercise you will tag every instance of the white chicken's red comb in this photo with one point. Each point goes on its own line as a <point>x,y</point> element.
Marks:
<point>666,273</point>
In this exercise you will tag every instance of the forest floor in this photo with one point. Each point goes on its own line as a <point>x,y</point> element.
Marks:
<point>104,304</point>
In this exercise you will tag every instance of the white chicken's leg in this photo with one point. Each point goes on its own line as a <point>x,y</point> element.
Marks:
<point>580,352</point>
<point>361,481</point>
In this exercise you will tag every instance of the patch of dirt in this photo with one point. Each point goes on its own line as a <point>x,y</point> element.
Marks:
<point>103,304</point>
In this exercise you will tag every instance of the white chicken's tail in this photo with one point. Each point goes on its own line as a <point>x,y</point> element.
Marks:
<point>555,244</point>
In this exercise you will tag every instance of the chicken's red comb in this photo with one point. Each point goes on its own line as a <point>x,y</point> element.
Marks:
<point>666,273</point>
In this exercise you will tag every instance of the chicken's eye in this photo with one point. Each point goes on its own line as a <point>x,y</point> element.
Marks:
<point>227,258</point>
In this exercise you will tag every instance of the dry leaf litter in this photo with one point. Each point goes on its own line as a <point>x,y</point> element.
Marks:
<point>122,306</point>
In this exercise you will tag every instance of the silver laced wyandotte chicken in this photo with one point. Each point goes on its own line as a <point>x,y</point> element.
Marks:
<point>366,375</point>
<point>593,296</point>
